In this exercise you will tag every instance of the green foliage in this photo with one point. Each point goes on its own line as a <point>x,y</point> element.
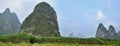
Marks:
<point>47,44</point>
<point>24,37</point>
<point>42,21</point>
<point>4,38</point>
<point>15,38</point>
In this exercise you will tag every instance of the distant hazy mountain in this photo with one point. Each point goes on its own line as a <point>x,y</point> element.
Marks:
<point>42,21</point>
<point>118,33</point>
<point>79,35</point>
<point>102,32</point>
<point>9,22</point>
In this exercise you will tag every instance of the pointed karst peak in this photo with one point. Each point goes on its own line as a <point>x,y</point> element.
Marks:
<point>7,10</point>
<point>101,26</point>
<point>101,31</point>
<point>42,21</point>
<point>9,23</point>
<point>111,28</point>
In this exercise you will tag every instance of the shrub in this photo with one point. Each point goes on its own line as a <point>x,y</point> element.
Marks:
<point>24,37</point>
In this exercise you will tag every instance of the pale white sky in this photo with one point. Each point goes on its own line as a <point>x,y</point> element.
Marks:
<point>74,16</point>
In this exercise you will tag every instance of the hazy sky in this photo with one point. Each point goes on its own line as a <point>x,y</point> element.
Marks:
<point>74,16</point>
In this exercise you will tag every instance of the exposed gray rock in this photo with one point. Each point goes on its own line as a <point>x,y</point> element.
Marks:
<point>112,32</point>
<point>9,23</point>
<point>102,32</point>
<point>118,33</point>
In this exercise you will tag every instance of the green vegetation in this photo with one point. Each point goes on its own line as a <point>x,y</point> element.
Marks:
<point>59,44</point>
<point>46,44</point>
<point>22,38</point>
<point>42,21</point>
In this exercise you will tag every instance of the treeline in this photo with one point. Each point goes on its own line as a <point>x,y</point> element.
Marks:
<point>24,37</point>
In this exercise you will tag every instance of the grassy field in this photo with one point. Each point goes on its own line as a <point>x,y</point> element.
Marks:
<point>47,44</point>
<point>23,39</point>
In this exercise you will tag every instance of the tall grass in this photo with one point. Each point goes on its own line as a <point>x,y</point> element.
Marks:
<point>24,37</point>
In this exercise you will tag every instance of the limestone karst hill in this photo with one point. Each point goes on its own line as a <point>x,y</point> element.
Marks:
<point>42,21</point>
<point>9,23</point>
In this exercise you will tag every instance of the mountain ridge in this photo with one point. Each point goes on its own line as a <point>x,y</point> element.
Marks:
<point>102,32</point>
<point>9,23</point>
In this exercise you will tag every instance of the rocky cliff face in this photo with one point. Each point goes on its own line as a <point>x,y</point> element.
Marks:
<point>112,32</point>
<point>102,32</point>
<point>9,23</point>
<point>119,33</point>
<point>42,21</point>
